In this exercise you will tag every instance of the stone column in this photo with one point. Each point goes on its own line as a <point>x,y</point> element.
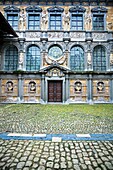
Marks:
<point>20,88</point>
<point>67,88</point>
<point>21,54</point>
<point>0,61</point>
<point>111,61</point>
<point>111,89</point>
<point>90,90</point>
<point>89,61</point>
<point>21,60</point>
<point>43,88</point>
<point>0,89</point>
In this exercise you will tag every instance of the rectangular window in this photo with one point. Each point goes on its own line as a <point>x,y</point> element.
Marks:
<point>33,21</point>
<point>55,22</point>
<point>77,22</point>
<point>13,20</point>
<point>98,22</point>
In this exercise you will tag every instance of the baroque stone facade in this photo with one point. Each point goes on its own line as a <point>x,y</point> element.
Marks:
<point>62,54</point>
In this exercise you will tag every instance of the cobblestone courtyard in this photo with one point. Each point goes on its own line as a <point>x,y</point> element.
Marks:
<point>56,119</point>
<point>70,155</point>
<point>48,155</point>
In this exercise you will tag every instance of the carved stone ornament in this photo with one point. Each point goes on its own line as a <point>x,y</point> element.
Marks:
<point>32,86</point>
<point>33,9</point>
<point>44,19</point>
<point>99,10</point>
<point>100,87</point>
<point>22,19</point>
<point>89,59</point>
<point>55,9</point>
<point>50,61</point>
<point>55,35</point>
<point>9,86</point>
<point>99,36</point>
<point>77,8</point>
<point>78,87</point>
<point>33,34</point>
<point>111,59</point>
<point>21,58</point>
<point>77,35</point>
<point>11,8</point>
<point>55,72</point>
<point>110,25</point>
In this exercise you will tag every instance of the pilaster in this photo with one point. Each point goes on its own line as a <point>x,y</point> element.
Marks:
<point>90,90</point>
<point>111,89</point>
<point>20,88</point>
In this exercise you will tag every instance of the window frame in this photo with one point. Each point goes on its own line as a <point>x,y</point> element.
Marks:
<point>15,67</point>
<point>34,11</point>
<point>77,11</point>
<point>99,11</point>
<point>99,68</point>
<point>79,67</point>
<point>37,66</point>
<point>55,11</point>
<point>11,11</point>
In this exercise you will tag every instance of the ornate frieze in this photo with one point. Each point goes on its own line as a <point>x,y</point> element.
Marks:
<point>55,35</point>
<point>99,36</point>
<point>77,35</point>
<point>33,35</point>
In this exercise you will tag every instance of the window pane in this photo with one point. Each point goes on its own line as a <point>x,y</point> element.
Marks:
<point>98,22</point>
<point>77,59</point>
<point>99,59</point>
<point>13,20</point>
<point>77,22</point>
<point>33,58</point>
<point>33,21</point>
<point>55,22</point>
<point>11,58</point>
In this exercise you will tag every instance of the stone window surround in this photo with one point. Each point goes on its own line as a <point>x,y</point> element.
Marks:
<point>12,10</point>
<point>100,11</point>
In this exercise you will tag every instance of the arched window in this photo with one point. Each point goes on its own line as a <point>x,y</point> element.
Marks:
<point>33,58</point>
<point>77,59</point>
<point>11,58</point>
<point>99,58</point>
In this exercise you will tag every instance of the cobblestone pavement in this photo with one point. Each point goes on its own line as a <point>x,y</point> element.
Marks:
<point>21,120</point>
<point>47,155</point>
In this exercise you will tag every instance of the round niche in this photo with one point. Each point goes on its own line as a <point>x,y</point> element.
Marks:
<point>55,52</point>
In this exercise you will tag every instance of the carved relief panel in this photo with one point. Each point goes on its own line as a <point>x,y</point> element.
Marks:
<point>101,90</point>
<point>9,90</point>
<point>78,90</point>
<point>32,90</point>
